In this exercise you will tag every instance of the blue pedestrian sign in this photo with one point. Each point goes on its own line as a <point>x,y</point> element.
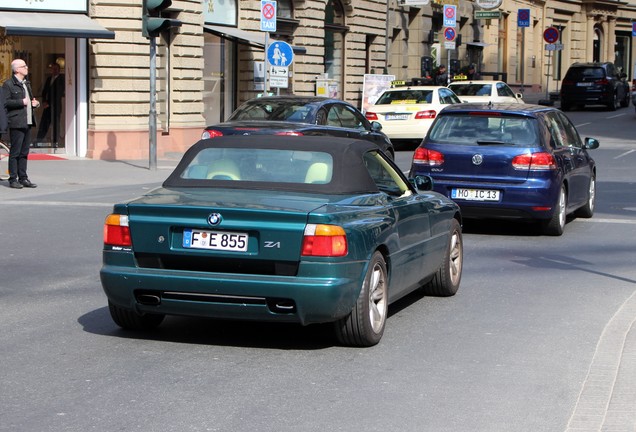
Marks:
<point>523,18</point>
<point>268,16</point>
<point>280,54</point>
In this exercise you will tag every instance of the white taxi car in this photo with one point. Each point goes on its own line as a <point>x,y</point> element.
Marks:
<point>406,112</point>
<point>485,91</point>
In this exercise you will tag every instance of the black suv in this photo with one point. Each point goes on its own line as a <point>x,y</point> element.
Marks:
<point>594,84</point>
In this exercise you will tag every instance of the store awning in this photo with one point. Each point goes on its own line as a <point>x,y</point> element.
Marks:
<point>52,24</point>
<point>256,39</point>
<point>478,44</point>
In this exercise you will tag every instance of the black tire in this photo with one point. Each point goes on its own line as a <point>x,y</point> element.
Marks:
<point>587,211</point>
<point>365,324</point>
<point>445,282</point>
<point>625,101</point>
<point>613,104</point>
<point>131,320</point>
<point>556,225</point>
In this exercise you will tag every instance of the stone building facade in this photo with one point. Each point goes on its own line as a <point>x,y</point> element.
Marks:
<point>216,59</point>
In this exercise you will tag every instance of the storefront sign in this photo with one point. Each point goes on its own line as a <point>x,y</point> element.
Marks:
<point>489,4</point>
<point>487,14</point>
<point>415,2</point>
<point>46,5</point>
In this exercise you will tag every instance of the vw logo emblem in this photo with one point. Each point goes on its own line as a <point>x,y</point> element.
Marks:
<point>214,219</point>
<point>477,159</point>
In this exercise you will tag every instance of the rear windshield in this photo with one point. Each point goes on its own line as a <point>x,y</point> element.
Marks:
<point>485,130</point>
<point>583,73</point>
<point>260,165</point>
<point>472,89</point>
<point>405,97</point>
<point>274,111</point>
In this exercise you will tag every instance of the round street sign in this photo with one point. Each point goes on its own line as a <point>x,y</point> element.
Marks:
<point>449,34</point>
<point>551,35</point>
<point>280,54</point>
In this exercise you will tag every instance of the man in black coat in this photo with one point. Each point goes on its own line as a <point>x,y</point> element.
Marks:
<point>4,122</point>
<point>52,94</point>
<point>20,105</point>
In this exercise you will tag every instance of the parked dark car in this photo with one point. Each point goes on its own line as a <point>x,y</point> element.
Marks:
<point>301,115</point>
<point>510,161</point>
<point>287,229</point>
<point>594,84</point>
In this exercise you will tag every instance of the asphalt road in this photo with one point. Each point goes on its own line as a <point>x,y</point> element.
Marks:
<point>539,337</point>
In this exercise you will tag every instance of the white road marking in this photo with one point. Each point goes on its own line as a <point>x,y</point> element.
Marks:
<point>583,124</point>
<point>614,116</point>
<point>624,154</point>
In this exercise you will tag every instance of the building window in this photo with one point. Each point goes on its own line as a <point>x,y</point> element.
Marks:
<point>285,22</point>
<point>335,31</point>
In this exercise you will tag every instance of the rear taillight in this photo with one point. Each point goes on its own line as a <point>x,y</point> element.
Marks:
<point>371,116</point>
<point>567,83</point>
<point>324,240</point>
<point>603,81</point>
<point>425,115</point>
<point>634,85</point>
<point>116,230</point>
<point>211,133</point>
<point>534,162</point>
<point>289,133</point>
<point>424,156</point>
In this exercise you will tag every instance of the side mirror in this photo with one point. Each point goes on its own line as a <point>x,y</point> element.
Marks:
<point>422,182</point>
<point>376,126</point>
<point>519,96</point>
<point>591,143</point>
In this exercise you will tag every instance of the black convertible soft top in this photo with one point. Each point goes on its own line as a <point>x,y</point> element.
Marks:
<point>349,172</point>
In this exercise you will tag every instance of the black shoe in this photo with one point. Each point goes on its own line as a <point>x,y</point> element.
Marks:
<point>15,185</point>
<point>27,183</point>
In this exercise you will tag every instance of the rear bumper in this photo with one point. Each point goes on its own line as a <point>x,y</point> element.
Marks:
<point>321,292</point>
<point>599,97</point>
<point>533,199</point>
<point>413,131</point>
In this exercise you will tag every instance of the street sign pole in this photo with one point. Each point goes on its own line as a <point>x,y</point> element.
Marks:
<point>152,117</point>
<point>265,63</point>
<point>522,57</point>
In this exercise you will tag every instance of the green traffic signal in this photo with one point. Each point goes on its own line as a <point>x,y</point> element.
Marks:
<point>152,21</point>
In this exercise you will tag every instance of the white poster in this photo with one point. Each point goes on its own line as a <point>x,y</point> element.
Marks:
<point>372,87</point>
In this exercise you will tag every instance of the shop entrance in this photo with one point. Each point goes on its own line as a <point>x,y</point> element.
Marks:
<point>46,57</point>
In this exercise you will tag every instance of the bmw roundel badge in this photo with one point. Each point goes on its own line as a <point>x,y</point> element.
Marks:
<point>214,219</point>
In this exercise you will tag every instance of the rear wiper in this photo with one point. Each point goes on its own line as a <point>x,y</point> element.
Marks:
<point>484,142</point>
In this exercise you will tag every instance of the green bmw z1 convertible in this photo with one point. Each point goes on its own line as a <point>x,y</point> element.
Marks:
<point>281,228</point>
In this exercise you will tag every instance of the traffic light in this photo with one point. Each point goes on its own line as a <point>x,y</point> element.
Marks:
<point>152,21</point>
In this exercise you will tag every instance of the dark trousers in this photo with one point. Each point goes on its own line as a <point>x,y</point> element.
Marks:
<point>19,153</point>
